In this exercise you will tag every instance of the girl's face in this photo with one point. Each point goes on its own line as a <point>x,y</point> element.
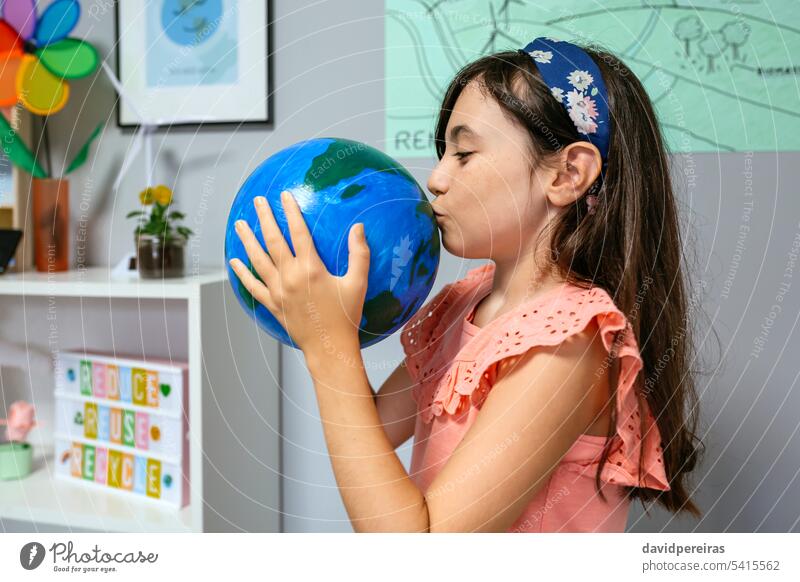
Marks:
<point>487,203</point>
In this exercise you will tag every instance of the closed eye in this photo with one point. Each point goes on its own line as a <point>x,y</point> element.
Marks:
<point>462,155</point>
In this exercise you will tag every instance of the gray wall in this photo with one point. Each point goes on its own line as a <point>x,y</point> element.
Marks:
<point>328,80</point>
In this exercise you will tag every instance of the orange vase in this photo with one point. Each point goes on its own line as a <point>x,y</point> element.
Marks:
<point>50,224</point>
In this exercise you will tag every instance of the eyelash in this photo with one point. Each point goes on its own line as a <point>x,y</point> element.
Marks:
<point>462,155</point>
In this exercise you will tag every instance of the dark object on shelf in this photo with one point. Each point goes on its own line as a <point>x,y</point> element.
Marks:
<point>9,239</point>
<point>158,259</point>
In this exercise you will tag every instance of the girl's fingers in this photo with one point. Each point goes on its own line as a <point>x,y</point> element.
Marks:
<point>260,260</point>
<point>298,230</point>
<point>255,287</point>
<point>276,244</point>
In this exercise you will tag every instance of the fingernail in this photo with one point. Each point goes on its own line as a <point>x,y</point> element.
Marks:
<point>285,195</point>
<point>260,200</point>
<point>239,224</point>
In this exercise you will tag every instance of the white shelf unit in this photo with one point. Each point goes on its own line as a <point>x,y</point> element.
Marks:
<point>234,396</point>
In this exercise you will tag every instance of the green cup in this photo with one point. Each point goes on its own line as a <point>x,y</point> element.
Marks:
<point>15,460</point>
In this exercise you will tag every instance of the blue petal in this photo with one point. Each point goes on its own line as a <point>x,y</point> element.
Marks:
<point>57,21</point>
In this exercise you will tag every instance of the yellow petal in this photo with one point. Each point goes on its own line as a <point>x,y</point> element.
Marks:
<point>163,195</point>
<point>146,196</point>
<point>40,91</point>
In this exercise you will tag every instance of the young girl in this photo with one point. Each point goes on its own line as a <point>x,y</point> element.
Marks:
<point>550,386</point>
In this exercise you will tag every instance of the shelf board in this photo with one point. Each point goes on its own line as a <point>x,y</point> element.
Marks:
<point>42,497</point>
<point>98,282</point>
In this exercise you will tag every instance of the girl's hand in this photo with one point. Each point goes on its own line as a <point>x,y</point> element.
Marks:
<point>316,308</point>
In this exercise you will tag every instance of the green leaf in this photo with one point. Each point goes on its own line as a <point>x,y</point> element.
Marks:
<point>17,152</point>
<point>594,90</point>
<point>70,58</point>
<point>134,213</point>
<point>177,215</point>
<point>83,153</point>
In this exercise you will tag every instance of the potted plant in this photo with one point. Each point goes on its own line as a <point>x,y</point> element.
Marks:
<point>159,242</point>
<point>16,455</point>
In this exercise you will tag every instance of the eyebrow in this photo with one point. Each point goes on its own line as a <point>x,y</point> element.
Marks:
<point>459,129</point>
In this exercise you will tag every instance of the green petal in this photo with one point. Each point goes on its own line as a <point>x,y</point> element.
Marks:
<point>69,59</point>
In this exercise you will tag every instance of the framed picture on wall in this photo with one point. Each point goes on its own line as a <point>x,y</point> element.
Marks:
<point>190,62</point>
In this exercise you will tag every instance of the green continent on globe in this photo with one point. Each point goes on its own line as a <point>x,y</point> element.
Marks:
<point>380,313</point>
<point>352,190</point>
<point>338,163</point>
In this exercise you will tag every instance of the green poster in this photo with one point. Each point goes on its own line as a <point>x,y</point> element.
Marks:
<point>723,75</point>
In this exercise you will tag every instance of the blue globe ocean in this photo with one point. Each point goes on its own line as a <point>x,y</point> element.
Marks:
<point>338,183</point>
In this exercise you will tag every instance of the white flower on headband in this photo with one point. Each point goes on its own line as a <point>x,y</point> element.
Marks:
<point>580,79</point>
<point>558,93</point>
<point>541,56</point>
<point>583,111</point>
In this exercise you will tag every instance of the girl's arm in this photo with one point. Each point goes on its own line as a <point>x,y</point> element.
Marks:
<point>321,312</point>
<point>377,492</point>
<point>532,416</point>
<point>396,407</point>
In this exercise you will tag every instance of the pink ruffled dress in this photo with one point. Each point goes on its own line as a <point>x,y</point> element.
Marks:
<point>454,365</point>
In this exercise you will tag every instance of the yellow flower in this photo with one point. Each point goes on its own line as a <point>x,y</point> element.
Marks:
<point>162,195</point>
<point>146,196</point>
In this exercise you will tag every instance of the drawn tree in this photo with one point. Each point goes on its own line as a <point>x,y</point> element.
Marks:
<point>736,34</point>
<point>687,29</point>
<point>712,45</point>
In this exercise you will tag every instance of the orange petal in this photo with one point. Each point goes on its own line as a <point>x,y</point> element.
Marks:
<point>8,80</point>
<point>39,90</point>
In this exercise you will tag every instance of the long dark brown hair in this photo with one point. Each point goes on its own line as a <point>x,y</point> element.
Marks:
<point>631,247</point>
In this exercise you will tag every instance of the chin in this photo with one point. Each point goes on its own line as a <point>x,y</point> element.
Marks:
<point>456,245</point>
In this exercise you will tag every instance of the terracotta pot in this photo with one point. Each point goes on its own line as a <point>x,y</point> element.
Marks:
<point>50,220</point>
<point>156,260</point>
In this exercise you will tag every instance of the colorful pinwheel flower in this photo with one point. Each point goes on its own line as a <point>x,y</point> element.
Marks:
<point>37,57</point>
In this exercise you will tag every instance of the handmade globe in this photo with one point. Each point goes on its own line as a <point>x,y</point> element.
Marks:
<point>338,183</point>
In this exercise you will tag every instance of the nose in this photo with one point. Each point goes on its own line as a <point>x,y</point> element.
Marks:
<point>439,181</point>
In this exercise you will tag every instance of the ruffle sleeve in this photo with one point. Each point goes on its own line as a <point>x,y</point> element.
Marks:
<point>422,335</point>
<point>468,380</point>
<point>417,333</point>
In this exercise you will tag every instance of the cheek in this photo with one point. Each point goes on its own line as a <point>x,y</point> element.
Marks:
<point>492,209</point>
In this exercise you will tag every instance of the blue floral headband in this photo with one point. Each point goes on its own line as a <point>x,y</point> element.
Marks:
<point>575,81</point>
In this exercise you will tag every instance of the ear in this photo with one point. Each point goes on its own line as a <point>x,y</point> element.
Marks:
<point>579,167</point>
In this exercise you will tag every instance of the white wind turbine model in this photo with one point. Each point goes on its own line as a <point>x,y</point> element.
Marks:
<point>142,138</point>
